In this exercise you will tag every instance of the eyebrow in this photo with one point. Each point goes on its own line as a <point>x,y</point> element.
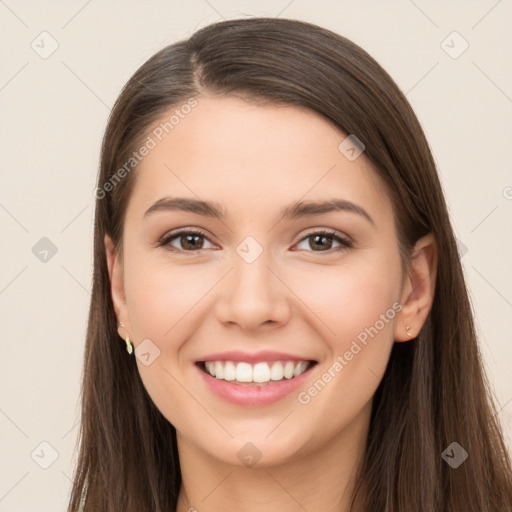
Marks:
<point>294,211</point>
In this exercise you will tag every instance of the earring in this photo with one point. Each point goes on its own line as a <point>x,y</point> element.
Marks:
<point>407,328</point>
<point>129,345</point>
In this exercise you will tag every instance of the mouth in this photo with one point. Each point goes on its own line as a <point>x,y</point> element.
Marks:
<point>262,373</point>
<point>254,379</point>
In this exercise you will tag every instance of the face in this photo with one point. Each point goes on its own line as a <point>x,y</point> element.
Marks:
<point>266,288</point>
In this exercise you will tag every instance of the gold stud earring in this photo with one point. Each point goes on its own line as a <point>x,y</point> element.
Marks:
<point>407,328</point>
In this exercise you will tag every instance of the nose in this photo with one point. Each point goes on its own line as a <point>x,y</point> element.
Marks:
<point>253,295</point>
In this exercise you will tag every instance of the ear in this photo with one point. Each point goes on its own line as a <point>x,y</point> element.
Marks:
<point>115,270</point>
<point>418,289</point>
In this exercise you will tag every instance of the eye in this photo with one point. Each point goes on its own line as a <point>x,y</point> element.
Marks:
<point>193,241</point>
<point>323,239</point>
<point>188,240</point>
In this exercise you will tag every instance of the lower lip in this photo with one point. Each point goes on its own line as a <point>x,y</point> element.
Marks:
<point>257,395</point>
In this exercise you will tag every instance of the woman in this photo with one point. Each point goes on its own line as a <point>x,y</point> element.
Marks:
<point>279,318</point>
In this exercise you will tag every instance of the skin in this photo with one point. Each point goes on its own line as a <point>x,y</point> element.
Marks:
<point>295,297</point>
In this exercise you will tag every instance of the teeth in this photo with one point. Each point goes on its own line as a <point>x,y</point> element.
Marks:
<point>243,372</point>
<point>288,370</point>
<point>277,371</point>
<point>210,367</point>
<point>300,368</point>
<point>259,372</point>
<point>229,371</point>
<point>219,370</point>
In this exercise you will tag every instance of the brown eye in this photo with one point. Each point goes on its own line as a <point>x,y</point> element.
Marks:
<point>322,241</point>
<point>193,241</point>
<point>185,241</point>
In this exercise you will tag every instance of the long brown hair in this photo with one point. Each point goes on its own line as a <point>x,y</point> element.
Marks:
<point>434,391</point>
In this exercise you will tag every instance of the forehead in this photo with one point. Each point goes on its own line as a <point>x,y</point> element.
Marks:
<point>252,157</point>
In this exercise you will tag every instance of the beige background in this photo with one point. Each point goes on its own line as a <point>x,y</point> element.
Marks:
<point>54,111</point>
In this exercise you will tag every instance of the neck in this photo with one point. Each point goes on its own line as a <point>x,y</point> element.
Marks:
<point>322,479</point>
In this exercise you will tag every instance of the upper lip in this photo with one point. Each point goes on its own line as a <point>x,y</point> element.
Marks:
<point>266,355</point>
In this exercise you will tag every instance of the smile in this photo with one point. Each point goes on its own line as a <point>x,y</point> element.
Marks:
<point>256,383</point>
<point>258,373</point>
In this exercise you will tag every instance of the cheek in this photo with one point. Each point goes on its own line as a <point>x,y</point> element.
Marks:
<point>160,297</point>
<point>358,306</point>
<point>349,299</point>
<point>161,300</point>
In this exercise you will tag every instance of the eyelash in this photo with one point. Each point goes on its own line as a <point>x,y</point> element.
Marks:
<point>344,243</point>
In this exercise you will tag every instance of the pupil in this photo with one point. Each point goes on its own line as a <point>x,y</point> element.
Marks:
<point>322,239</point>
<point>190,241</point>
